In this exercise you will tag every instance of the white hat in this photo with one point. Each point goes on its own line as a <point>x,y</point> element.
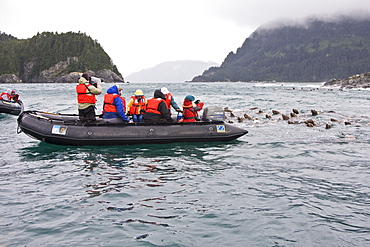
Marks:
<point>164,90</point>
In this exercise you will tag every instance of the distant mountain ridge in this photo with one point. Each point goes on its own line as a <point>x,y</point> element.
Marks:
<point>172,71</point>
<point>53,57</point>
<point>314,52</point>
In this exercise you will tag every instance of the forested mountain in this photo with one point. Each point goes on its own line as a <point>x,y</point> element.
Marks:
<point>316,51</point>
<point>51,57</point>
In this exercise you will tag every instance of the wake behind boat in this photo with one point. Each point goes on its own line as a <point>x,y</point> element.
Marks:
<point>11,107</point>
<point>65,129</point>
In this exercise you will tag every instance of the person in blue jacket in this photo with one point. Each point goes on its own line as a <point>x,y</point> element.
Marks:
<point>114,106</point>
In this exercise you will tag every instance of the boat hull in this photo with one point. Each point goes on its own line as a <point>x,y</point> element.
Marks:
<point>66,130</point>
<point>9,107</point>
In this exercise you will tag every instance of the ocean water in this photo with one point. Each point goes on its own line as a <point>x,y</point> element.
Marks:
<point>280,185</point>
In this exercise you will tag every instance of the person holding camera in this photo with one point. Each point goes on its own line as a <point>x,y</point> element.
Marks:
<point>86,99</point>
<point>191,107</point>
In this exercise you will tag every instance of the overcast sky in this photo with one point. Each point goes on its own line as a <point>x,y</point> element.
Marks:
<point>139,34</point>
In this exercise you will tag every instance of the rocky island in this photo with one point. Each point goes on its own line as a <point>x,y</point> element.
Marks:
<point>54,58</point>
<point>355,81</point>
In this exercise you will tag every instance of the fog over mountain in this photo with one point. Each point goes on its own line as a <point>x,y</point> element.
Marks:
<point>172,71</point>
<point>313,49</point>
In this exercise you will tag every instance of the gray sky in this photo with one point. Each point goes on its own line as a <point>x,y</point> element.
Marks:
<point>139,34</point>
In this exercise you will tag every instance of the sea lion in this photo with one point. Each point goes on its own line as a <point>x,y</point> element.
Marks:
<point>246,116</point>
<point>310,123</point>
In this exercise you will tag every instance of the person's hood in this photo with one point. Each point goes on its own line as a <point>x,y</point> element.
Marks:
<point>159,94</point>
<point>82,80</point>
<point>188,103</point>
<point>113,90</point>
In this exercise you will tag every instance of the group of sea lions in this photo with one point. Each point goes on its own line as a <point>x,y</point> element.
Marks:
<point>294,117</point>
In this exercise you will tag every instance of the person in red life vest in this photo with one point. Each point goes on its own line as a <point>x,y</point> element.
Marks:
<point>86,98</point>
<point>136,106</point>
<point>191,108</point>
<point>157,110</point>
<point>114,106</point>
<point>10,95</point>
<point>170,101</point>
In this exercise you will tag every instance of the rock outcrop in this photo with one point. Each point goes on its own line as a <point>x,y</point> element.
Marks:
<point>10,78</point>
<point>355,81</point>
<point>56,74</point>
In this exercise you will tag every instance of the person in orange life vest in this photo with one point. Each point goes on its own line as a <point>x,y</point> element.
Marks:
<point>114,106</point>
<point>157,110</point>
<point>170,101</point>
<point>86,98</point>
<point>136,106</point>
<point>9,95</point>
<point>191,108</point>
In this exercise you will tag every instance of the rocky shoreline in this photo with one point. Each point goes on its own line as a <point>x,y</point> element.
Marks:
<point>105,74</point>
<point>355,81</point>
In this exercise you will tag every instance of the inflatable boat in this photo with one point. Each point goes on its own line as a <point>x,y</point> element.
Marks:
<point>65,129</point>
<point>11,107</point>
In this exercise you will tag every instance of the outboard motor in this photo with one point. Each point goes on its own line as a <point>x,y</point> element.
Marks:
<point>213,113</point>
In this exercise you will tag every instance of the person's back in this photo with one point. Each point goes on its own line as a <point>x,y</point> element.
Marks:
<point>170,101</point>
<point>157,111</point>
<point>86,98</point>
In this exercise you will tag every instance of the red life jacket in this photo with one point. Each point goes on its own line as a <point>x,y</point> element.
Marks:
<point>7,95</point>
<point>189,114</point>
<point>13,97</point>
<point>188,111</point>
<point>153,104</point>
<point>137,105</point>
<point>168,100</point>
<point>108,102</point>
<point>84,95</point>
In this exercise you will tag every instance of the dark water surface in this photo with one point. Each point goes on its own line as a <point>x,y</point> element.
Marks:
<point>280,185</point>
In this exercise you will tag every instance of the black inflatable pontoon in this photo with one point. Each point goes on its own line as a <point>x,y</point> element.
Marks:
<point>65,129</point>
<point>11,107</point>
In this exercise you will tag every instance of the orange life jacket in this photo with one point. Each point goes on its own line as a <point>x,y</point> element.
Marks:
<point>153,104</point>
<point>137,105</point>
<point>84,95</point>
<point>168,100</point>
<point>108,102</point>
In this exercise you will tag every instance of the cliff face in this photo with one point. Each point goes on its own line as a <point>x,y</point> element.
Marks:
<point>313,52</point>
<point>54,58</point>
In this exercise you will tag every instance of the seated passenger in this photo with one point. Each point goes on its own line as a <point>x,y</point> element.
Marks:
<point>114,106</point>
<point>136,106</point>
<point>191,108</point>
<point>10,95</point>
<point>157,110</point>
<point>170,101</point>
